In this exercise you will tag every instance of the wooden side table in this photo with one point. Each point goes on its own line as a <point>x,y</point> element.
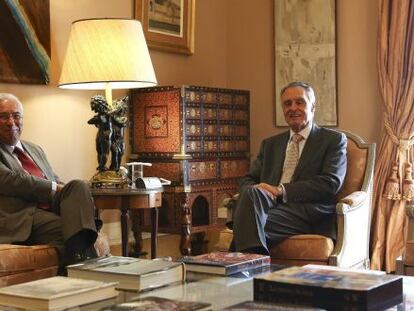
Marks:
<point>131,199</point>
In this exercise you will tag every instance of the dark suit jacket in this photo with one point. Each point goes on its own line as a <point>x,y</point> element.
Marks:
<point>318,176</point>
<point>20,193</point>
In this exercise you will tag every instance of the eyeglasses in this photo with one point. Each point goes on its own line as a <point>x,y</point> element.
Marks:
<point>4,117</point>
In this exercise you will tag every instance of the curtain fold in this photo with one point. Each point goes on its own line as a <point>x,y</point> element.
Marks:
<point>395,60</point>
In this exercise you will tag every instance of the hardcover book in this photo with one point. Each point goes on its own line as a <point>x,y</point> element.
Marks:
<point>159,304</point>
<point>130,273</point>
<point>264,306</point>
<point>329,289</point>
<point>55,293</point>
<point>224,263</point>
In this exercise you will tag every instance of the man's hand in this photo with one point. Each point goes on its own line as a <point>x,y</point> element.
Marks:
<point>272,191</point>
<point>59,187</point>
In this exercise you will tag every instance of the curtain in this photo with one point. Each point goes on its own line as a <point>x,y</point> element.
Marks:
<point>393,187</point>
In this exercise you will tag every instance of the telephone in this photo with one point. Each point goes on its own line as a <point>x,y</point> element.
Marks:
<point>138,181</point>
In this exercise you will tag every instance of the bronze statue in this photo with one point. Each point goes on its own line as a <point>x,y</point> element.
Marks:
<point>102,120</point>
<point>119,122</point>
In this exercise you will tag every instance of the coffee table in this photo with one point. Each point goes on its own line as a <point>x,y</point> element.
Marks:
<point>222,292</point>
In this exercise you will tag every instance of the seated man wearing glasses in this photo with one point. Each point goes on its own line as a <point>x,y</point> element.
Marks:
<point>35,207</point>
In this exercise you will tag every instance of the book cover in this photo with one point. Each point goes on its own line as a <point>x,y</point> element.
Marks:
<point>56,293</point>
<point>264,306</point>
<point>329,289</point>
<point>158,304</point>
<point>130,273</point>
<point>224,263</point>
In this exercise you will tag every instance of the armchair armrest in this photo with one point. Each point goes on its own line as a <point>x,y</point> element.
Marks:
<point>353,219</point>
<point>352,201</point>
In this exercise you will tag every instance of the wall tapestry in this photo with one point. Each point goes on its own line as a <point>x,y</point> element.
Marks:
<point>305,50</point>
<point>24,41</point>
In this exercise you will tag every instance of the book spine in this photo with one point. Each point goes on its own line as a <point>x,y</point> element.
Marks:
<point>327,298</point>
<point>247,265</point>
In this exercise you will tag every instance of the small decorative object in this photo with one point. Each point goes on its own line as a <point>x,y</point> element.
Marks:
<point>106,54</point>
<point>110,121</point>
<point>392,187</point>
<point>408,186</point>
<point>168,24</point>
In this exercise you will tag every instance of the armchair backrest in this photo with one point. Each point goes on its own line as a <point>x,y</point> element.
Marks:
<point>360,166</point>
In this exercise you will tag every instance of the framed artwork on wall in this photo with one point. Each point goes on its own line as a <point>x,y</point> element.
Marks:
<point>168,24</point>
<point>25,42</point>
<point>305,50</point>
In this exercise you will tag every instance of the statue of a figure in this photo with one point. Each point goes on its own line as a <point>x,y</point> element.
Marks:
<point>119,122</point>
<point>102,121</point>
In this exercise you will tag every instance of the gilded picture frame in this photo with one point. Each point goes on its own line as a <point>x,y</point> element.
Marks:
<point>305,50</point>
<point>168,24</point>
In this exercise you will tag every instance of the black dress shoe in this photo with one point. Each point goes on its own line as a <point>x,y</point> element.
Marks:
<point>98,224</point>
<point>256,250</point>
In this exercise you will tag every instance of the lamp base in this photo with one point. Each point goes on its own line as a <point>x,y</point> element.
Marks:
<point>109,179</point>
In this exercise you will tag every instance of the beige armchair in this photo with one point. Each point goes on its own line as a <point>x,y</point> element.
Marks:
<point>353,216</point>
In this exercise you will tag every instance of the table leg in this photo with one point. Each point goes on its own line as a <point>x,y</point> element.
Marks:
<point>185,242</point>
<point>124,230</point>
<point>154,232</point>
<point>136,230</point>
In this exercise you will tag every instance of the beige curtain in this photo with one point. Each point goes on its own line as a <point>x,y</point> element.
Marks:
<point>393,182</point>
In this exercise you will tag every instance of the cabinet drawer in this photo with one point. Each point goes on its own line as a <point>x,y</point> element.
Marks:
<point>202,170</point>
<point>233,168</point>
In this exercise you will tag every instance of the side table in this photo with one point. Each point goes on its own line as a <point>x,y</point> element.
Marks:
<point>131,199</point>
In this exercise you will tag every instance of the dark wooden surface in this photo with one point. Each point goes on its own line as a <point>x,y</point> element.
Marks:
<point>127,200</point>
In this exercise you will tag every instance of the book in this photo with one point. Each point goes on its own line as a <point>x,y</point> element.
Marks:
<point>130,273</point>
<point>159,304</point>
<point>329,289</point>
<point>55,293</point>
<point>264,306</point>
<point>334,268</point>
<point>224,263</point>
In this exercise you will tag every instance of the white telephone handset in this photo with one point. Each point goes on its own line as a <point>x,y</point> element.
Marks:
<point>141,182</point>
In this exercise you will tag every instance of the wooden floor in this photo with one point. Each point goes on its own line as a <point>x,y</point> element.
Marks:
<point>168,245</point>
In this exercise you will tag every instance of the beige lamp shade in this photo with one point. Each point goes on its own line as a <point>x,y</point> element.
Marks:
<point>104,53</point>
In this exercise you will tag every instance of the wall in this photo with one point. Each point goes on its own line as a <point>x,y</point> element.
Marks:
<point>250,65</point>
<point>57,118</point>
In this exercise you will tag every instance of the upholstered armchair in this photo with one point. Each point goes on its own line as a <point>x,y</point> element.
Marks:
<point>353,210</point>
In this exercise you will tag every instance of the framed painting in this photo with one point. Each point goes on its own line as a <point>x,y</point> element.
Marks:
<point>305,50</point>
<point>25,41</point>
<point>168,24</point>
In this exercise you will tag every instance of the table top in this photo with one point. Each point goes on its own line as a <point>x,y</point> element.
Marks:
<point>125,191</point>
<point>222,292</point>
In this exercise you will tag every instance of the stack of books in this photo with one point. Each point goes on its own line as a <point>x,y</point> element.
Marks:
<point>225,263</point>
<point>331,289</point>
<point>130,273</point>
<point>56,293</point>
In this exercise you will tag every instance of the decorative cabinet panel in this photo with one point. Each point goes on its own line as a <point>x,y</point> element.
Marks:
<point>198,138</point>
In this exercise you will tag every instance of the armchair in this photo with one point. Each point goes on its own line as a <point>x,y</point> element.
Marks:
<point>353,218</point>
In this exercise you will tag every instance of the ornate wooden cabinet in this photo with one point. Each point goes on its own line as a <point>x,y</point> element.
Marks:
<point>198,138</point>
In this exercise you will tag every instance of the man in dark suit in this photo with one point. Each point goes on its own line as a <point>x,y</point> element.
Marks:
<point>35,207</point>
<point>292,185</point>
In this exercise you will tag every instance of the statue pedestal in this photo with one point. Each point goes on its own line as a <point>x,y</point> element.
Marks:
<point>109,179</point>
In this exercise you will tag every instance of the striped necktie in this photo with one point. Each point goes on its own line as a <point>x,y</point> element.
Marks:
<point>291,159</point>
